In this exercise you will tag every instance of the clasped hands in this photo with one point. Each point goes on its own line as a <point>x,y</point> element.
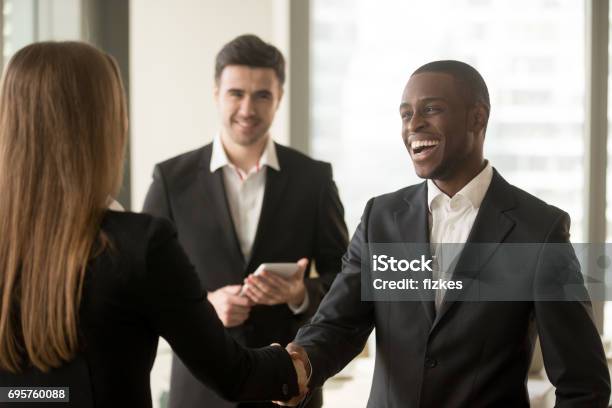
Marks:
<point>303,370</point>
<point>233,302</point>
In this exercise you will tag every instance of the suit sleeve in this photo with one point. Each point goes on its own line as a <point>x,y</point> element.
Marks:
<point>169,295</point>
<point>342,324</point>
<point>330,243</point>
<point>156,202</point>
<point>573,353</point>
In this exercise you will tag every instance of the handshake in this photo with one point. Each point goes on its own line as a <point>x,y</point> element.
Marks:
<point>303,370</point>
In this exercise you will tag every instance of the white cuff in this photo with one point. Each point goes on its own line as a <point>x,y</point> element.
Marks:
<point>114,205</point>
<point>309,366</point>
<point>301,308</point>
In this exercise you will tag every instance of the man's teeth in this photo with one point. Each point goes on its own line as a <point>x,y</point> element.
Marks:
<point>423,143</point>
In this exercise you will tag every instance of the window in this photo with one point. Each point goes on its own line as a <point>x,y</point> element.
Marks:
<point>18,26</point>
<point>363,53</point>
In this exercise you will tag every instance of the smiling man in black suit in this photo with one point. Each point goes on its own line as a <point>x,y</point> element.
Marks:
<point>442,353</point>
<point>244,200</point>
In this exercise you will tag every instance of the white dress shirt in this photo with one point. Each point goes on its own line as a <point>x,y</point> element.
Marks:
<point>114,205</point>
<point>245,193</point>
<point>451,220</point>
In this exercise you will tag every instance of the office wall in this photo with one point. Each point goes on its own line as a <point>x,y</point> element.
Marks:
<point>172,50</point>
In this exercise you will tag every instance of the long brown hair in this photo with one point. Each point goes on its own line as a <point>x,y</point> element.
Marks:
<point>63,129</point>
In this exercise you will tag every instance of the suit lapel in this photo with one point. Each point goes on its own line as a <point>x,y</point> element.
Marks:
<point>491,227</point>
<point>276,181</point>
<point>214,188</point>
<point>413,226</point>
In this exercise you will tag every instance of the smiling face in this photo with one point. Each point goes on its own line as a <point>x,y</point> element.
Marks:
<point>247,99</point>
<point>441,129</point>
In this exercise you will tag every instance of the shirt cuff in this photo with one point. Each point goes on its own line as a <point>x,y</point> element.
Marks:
<point>308,369</point>
<point>301,308</point>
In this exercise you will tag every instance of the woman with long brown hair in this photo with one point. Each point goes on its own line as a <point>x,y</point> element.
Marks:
<point>85,292</point>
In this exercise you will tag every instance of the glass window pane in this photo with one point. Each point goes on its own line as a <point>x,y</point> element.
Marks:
<point>531,53</point>
<point>18,26</point>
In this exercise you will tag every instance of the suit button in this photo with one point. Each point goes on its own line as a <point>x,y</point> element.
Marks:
<point>285,389</point>
<point>431,362</point>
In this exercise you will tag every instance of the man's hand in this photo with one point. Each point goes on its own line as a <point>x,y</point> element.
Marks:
<point>267,288</point>
<point>231,308</point>
<point>302,368</point>
<point>298,351</point>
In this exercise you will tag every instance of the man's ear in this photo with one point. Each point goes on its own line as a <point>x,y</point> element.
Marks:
<point>479,118</point>
<point>281,92</point>
<point>216,92</point>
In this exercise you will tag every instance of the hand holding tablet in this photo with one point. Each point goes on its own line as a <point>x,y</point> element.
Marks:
<point>277,283</point>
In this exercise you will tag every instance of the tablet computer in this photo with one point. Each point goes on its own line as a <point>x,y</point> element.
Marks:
<point>282,269</point>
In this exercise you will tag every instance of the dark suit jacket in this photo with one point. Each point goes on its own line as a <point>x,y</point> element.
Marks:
<point>140,288</point>
<point>301,216</point>
<point>469,354</point>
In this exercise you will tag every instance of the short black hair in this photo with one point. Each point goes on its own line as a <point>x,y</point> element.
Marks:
<point>252,51</point>
<point>464,73</point>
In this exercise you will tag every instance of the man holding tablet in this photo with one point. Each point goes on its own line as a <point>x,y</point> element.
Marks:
<point>243,201</point>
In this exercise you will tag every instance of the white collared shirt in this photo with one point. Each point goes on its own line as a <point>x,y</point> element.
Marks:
<point>244,191</point>
<point>245,194</point>
<point>451,220</point>
<point>114,205</point>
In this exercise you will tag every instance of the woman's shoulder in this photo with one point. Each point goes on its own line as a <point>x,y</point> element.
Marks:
<point>131,242</point>
<point>136,226</point>
<point>143,257</point>
<point>134,234</point>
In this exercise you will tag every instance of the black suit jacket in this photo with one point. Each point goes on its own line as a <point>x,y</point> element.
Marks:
<point>469,354</point>
<point>142,287</point>
<point>301,216</point>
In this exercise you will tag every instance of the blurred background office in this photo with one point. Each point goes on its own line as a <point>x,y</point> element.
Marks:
<point>545,62</point>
